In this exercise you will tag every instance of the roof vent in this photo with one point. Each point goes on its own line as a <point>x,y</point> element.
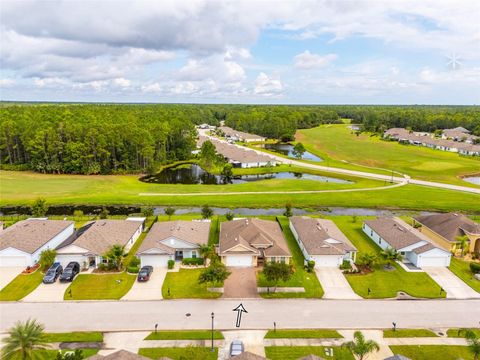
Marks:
<point>236,238</point>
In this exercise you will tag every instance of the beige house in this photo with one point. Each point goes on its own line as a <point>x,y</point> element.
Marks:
<point>444,229</point>
<point>120,355</point>
<point>251,242</point>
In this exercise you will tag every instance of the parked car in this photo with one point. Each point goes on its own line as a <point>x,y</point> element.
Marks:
<point>144,273</point>
<point>236,348</point>
<point>70,271</point>
<point>53,273</point>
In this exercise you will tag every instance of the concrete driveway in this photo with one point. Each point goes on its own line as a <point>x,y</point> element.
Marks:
<point>47,292</point>
<point>149,290</point>
<point>454,286</point>
<point>8,273</point>
<point>335,284</point>
<point>242,283</point>
<point>252,340</point>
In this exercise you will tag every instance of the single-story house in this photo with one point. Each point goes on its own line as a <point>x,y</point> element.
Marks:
<point>444,229</point>
<point>121,355</point>
<point>89,243</point>
<point>173,240</point>
<point>413,245</point>
<point>22,243</point>
<point>240,135</point>
<point>322,241</point>
<point>250,242</point>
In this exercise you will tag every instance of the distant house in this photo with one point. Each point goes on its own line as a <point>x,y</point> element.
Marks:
<point>415,247</point>
<point>250,242</point>
<point>120,355</point>
<point>89,244</point>
<point>22,243</point>
<point>444,229</point>
<point>322,241</point>
<point>173,240</point>
<point>240,135</point>
<point>246,355</point>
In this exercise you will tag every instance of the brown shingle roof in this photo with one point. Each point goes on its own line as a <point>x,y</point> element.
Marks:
<point>30,235</point>
<point>397,234</point>
<point>195,232</point>
<point>423,248</point>
<point>449,225</point>
<point>101,235</point>
<point>118,355</point>
<point>321,236</point>
<point>248,356</point>
<point>240,134</point>
<point>251,233</point>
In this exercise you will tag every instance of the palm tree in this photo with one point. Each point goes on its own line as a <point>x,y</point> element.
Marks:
<point>473,341</point>
<point>23,340</point>
<point>368,259</point>
<point>361,347</point>
<point>390,255</point>
<point>463,242</point>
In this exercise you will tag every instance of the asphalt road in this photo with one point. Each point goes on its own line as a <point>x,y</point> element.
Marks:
<point>298,313</point>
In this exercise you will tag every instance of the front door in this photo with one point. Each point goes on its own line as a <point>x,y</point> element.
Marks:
<point>178,255</point>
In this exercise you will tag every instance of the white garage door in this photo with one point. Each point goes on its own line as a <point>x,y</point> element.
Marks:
<point>327,261</point>
<point>433,261</point>
<point>154,260</point>
<point>13,261</point>
<point>65,259</point>
<point>239,260</point>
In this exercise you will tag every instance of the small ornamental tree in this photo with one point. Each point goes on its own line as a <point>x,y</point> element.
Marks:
<point>214,274</point>
<point>229,216</point>
<point>368,259</point>
<point>288,210</point>
<point>147,211</point>
<point>298,150</point>
<point>207,212</point>
<point>39,208</point>
<point>115,256</point>
<point>104,213</point>
<point>24,340</point>
<point>275,272</point>
<point>169,211</point>
<point>47,258</point>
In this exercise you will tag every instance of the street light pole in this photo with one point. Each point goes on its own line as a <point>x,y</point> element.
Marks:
<point>213,317</point>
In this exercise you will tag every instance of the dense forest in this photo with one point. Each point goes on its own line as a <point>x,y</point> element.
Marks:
<point>128,138</point>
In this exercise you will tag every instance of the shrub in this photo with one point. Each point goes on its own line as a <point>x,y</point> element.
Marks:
<point>102,267</point>
<point>171,264</point>
<point>192,261</point>
<point>475,268</point>
<point>346,265</point>
<point>134,262</point>
<point>133,269</point>
<point>310,265</point>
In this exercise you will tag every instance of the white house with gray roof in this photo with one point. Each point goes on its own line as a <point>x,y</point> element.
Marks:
<point>22,243</point>
<point>413,245</point>
<point>322,241</point>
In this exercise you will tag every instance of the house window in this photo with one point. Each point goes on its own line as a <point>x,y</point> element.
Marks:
<point>379,240</point>
<point>371,232</point>
<point>194,254</point>
<point>402,253</point>
<point>282,259</point>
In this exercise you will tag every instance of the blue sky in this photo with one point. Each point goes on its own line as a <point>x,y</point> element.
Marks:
<point>294,52</point>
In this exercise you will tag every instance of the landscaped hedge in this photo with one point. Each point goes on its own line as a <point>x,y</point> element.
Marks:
<point>171,264</point>
<point>133,269</point>
<point>192,261</point>
<point>475,268</point>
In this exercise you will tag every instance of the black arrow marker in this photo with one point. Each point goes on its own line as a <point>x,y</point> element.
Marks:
<point>239,309</point>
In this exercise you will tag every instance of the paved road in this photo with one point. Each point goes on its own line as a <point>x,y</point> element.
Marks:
<point>291,313</point>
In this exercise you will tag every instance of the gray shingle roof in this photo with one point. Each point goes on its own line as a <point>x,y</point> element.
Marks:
<point>118,355</point>
<point>30,235</point>
<point>321,236</point>
<point>396,234</point>
<point>449,225</point>
<point>240,134</point>
<point>248,356</point>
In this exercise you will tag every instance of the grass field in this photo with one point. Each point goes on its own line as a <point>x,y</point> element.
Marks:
<point>433,352</point>
<point>21,188</point>
<point>197,353</point>
<point>458,333</point>
<point>408,333</point>
<point>184,285</point>
<point>303,334</point>
<point>383,283</point>
<point>462,270</point>
<point>336,143</point>
<point>185,335</point>
<point>300,278</point>
<point>297,352</point>
<point>93,336</point>
<point>21,286</point>
<point>99,287</point>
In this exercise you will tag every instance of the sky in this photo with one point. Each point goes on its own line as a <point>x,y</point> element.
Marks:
<point>265,52</point>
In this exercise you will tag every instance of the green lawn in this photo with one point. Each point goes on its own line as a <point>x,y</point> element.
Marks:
<point>336,143</point>
<point>300,278</point>
<point>75,336</point>
<point>303,334</point>
<point>433,352</point>
<point>407,333</point>
<point>383,283</point>
<point>462,270</point>
<point>184,284</point>
<point>188,353</point>
<point>52,354</point>
<point>21,286</point>
<point>455,333</point>
<point>185,335</point>
<point>213,237</point>
<point>100,287</point>
<point>20,188</point>
<point>296,352</point>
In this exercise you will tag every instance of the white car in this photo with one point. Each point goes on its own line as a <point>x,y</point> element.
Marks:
<point>236,348</point>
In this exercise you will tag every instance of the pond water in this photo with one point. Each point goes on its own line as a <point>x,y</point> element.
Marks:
<point>287,149</point>
<point>472,179</point>
<point>194,174</point>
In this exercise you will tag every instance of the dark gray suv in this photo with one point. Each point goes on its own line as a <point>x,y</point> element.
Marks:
<point>69,273</point>
<point>52,273</point>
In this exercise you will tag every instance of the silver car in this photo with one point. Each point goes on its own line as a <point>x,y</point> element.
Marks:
<point>236,348</point>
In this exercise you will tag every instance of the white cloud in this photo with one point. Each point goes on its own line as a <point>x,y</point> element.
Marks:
<point>122,82</point>
<point>7,82</point>
<point>307,60</point>
<point>268,85</point>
